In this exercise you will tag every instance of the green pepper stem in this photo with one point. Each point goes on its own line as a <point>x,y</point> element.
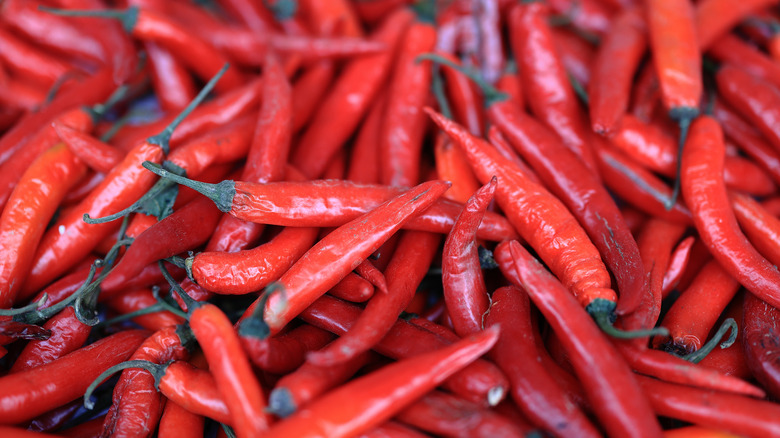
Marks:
<point>128,17</point>
<point>490,93</point>
<point>222,194</point>
<point>728,325</point>
<point>34,306</point>
<point>156,370</point>
<point>163,139</point>
<point>603,313</point>
<point>255,326</point>
<point>281,403</point>
<point>188,301</point>
<point>684,116</point>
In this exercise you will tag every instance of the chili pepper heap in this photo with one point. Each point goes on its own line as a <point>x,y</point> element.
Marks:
<point>405,218</point>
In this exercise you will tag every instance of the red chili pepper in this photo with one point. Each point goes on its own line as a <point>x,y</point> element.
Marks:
<point>284,353</point>
<point>231,369</point>
<point>410,261</point>
<point>534,390</point>
<point>30,393</point>
<point>308,90</point>
<point>731,50</point>
<point>613,70</point>
<point>550,95</point>
<point>463,97</point>
<point>30,206</point>
<point>760,226</point>
<point>705,193</point>
<point>68,334</point>
<point>677,59</point>
<point>378,396</point>
<point>588,15</point>
<point>26,60</point>
<point>743,175</point>
<point>609,384</point>
<point>759,324</point>
<point>576,54</point>
<point>310,381</point>
<point>734,413</point>
<point>137,407</point>
<point>137,300</point>
<point>342,250</point>
<point>540,218</point>
<point>171,81</point>
<point>93,152</point>
<point>647,93</point>
<point>348,100</point>
<point>677,265</point>
<point>179,422</point>
<point>716,17</point>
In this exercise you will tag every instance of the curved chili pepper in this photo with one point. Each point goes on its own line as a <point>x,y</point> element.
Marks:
<point>68,334</point>
<point>588,15</point>
<point>94,153</point>
<point>376,397</point>
<point>30,393</point>
<point>743,175</point>
<point>760,226</point>
<point>310,381</point>
<point>646,94</point>
<point>716,17</point>
<point>404,122</point>
<point>608,382</point>
<point>136,407</point>
<point>647,143</point>
<point>231,369</point>
<point>613,70</point>
<point>576,54</point>
<point>677,265</point>
<point>284,353</point>
<point>267,154</point>
<point>734,413</point>
<point>410,261</point>
<point>30,62</point>
<point>30,206</point>
<point>308,91</point>
<point>754,98</point>
<point>705,194</point>
<point>70,239</point>
<point>464,287</point>
<point>342,250</point>
<point>364,158</point>
<point>731,50</point>
<point>171,81</point>
<point>463,97</point>
<point>134,301</point>
<point>534,390</point>
<point>348,100</point>
<point>540,218</point>
<point>677,59</point>
<point>759,326</point>
<point>481,382</point>
<point>550,95</point>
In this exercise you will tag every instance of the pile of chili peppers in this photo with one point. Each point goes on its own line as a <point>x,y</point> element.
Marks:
<point>389,218</point>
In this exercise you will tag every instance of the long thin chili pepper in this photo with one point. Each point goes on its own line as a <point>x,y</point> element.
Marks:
<point>30,393</point>
<point>579,264</point>
<point>143,301</point>
<point>267,154</point>
<point>608,382</point>
<point>94,153</point>
<point>576,54</point>
<point>348,100</point>
<point>30,206</point>
<point>613,70</point>
<point>171,81</point>
<point>534,390</point>
<point>760,346</point>
<point>705,194</point>
<point>731,50</point>
<point>588,15</point>
<point>677,59</point>
<point>677,265</point>
<point>716,17</point>
<point>308,90</point>
<point>738,414</point>
<point>179,422</point>
<point>376,397</point>
<point>481,382</point>
<point>29,62</point>
<point>284,353</point>
<point>68,334</point>
<point>71,238</point>
<point>325,203</point>
<point>342,250</point>
<point>412,256</point>
<point>760,226</point>
<point>550,95</point>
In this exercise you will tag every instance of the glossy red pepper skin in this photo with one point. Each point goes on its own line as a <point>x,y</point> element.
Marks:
<point>534,390</point>
<point>308,91</point>
<point>93,152</point>
<point>374,398</point>
<point>348,100</point>
<point>734,413</point>
<point>731,50</point>
<point>413,255</point>
<point>705,193</point>
<point>131,300</point>
<point>27,61</point>
<point>231,369</point>
<point>286,352</point>
<point>68,334</point>
<point>464,286</point>
<point>30,393</point>
<point>749,140</point>
<point>195,390</point>
<point>404,121</point>
<point>621,407</point>
<point>760,225</point>
<point>30,207</point>
<point>137,406</point>
<point>480,382</point>
<point>267,154</point>
<point>179,422</point>
<point>541,218</point>
<point>760,345</point>
<point>715,17</point>
<point>171,81</point>
<point>613,71</point>
<point>342,250</point>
